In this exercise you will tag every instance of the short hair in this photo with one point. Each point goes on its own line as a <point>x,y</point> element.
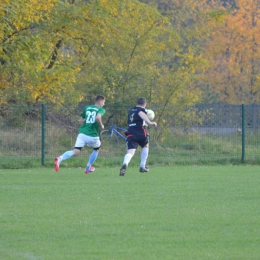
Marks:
<point>141,101</point>
<point>99,97</point>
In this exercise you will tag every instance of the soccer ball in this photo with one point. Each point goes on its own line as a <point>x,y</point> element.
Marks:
<point>150,114</point>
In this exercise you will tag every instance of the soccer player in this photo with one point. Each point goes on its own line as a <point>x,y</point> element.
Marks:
<point>88,134</point>
<point>137,135</point>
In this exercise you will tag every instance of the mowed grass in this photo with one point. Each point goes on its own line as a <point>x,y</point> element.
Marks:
<point>183,212</point>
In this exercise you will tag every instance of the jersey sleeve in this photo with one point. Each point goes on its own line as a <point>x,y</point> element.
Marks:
<point>101,111</point>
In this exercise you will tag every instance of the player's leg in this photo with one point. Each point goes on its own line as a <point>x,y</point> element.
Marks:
<point>92,158</point>
<point>131,148</point>
<point>144,155</point>
<point>128,156</point>
<point>77,148</point>
<point>65,156</point>
<point>130,153</point>
<point>95,143</point>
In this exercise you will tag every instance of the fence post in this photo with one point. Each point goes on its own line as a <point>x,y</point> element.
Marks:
<point>43,134</point>
<point>243,133</point>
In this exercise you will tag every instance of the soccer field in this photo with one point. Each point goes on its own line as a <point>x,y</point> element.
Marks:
<point>184,212</point>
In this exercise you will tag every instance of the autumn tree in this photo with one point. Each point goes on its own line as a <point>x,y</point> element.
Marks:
<point>182,68</point>
<point>124,58</point>
<point>63,52</point>
<point>234,53</point>
<point>44,49</point>
<point>20,52</point>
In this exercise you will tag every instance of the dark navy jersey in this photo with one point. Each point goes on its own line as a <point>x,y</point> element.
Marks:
<point>135,122</point>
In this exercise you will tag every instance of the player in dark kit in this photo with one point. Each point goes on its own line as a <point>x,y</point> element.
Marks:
<point>137,135</point>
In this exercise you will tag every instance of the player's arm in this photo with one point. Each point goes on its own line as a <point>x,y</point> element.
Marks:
<point>99,120</point>
<point>146,119</point>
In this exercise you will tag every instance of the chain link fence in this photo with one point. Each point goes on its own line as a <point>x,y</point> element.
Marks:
<point>219,133</point>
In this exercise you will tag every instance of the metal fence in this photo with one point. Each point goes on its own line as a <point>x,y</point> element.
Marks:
<point>222,133</point>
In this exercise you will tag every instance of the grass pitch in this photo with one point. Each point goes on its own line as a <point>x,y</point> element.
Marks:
<point>183,212</point>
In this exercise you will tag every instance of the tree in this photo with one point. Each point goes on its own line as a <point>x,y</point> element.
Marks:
<point>235,55</point>
<point>182,68</point>
<point>64,52</point>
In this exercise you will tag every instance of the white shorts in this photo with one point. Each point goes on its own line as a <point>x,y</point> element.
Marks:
<point>90,141</point>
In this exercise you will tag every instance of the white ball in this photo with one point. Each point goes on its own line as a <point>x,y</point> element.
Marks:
<point>150,114</point>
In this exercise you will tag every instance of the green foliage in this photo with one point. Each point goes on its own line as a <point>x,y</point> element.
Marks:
<point>65,51</point>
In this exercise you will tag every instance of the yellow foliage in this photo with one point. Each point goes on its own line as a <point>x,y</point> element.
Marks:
<point>234,54</point>
<point>63,52</point>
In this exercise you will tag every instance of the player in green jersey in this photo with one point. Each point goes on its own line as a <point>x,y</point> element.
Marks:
<point>88,134</point>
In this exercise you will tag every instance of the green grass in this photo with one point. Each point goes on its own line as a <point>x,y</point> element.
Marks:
<point>183,212</point>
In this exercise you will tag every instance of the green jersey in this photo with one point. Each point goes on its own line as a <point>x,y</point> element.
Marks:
<point>90,126</point>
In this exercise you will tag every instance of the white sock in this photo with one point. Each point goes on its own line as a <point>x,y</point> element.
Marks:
<point>127,158</point>
<point>144,156</point>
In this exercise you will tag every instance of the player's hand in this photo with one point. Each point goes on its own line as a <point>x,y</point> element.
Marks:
<point>154,124</point>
